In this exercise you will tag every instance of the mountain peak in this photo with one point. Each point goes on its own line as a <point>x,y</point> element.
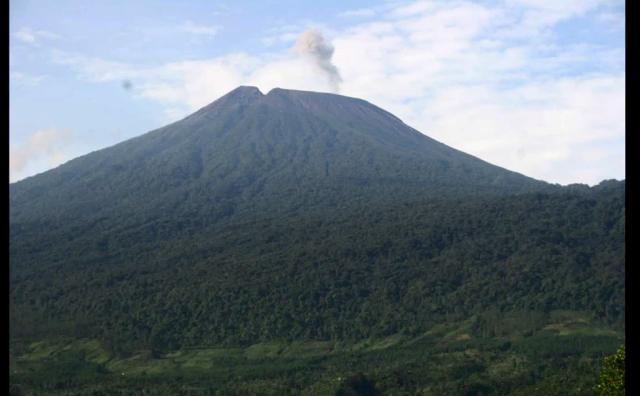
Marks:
<point>243,93</point>
<point>240,96</point>
<point>245,90</point>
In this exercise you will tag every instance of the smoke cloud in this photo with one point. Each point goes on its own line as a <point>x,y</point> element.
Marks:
<point>312,45</point>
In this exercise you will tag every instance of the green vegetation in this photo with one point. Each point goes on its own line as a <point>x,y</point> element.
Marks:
<point>362,275</point>
<point>611,382</point>
<point>438,362</point>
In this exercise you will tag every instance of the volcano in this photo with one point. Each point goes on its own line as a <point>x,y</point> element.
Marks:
<point>306,217</point>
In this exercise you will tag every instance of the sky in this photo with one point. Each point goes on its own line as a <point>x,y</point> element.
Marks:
<point>534,86</point>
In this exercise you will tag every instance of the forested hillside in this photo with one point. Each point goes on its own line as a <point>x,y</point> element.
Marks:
<point>369,272</point>
<point>299,218</point>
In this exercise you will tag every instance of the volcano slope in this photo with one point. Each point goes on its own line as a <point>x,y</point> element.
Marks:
<point>297,237</point>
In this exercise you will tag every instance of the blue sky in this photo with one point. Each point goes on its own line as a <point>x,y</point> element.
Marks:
<point>535,86</point>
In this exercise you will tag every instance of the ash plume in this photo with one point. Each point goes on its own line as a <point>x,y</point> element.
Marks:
<point>311,44</point>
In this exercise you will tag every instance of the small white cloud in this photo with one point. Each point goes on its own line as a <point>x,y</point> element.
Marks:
<point>414,8</point>
<point>200,30</point>
<point>43,149</point>
<point>221,9</point>
<point>283,34</point>
<point>534,18</point>
<point>361,12</point>
<point>25,36</point>
<point>97,69</point>
<point>29,36</point>
<point>25,79</point>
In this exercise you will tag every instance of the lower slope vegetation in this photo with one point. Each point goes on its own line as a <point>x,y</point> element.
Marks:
<point>554,354</point>
<point>441,296</point>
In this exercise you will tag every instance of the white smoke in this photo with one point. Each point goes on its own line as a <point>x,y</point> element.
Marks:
<point>312,45</point>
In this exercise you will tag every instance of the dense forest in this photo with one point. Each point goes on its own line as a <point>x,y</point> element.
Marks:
<point>366,273</point>
<point>534,282</point>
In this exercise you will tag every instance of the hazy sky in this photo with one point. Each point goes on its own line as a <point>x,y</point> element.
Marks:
<point>534,86</point>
